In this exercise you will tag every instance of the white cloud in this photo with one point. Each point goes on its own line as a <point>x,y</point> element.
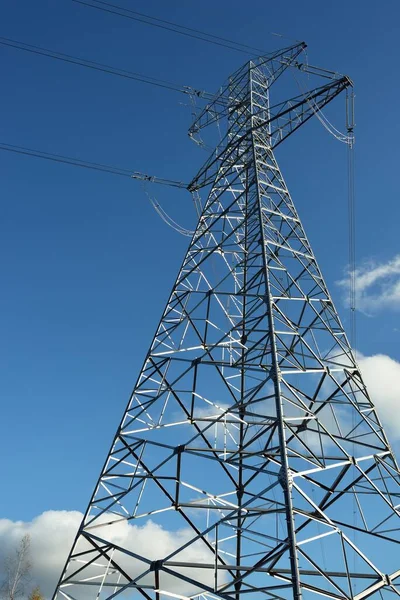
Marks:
<point>52,534</point>
<point>377,285</point>
<point>382,377</point>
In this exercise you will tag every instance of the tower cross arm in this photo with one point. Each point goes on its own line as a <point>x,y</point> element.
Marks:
<point>283,120</point>
<point>222,103</point>
<point>289,115</point>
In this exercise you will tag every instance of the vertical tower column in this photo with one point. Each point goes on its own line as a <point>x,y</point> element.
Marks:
<point>262,154</point>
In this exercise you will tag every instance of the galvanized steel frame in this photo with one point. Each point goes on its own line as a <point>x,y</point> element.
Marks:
<point>251,368</point>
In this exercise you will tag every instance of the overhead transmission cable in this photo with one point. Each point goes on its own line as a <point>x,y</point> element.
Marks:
<point>89,64</point>
<point>351,216</point>
<point>171,26</point>
<point>76,162</point>
<point>349,140</point>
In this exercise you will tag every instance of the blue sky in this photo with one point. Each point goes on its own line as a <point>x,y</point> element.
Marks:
<point>86,265</point>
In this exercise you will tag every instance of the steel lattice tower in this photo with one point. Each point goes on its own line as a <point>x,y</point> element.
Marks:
<point>249,434</point>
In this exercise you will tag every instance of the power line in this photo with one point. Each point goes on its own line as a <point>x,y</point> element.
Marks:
<point>65,159</point>
<point>89,64</point>
<point>76,162</point>
<point>352,219</point>
<point>191,29</point>
<point>171,26</point>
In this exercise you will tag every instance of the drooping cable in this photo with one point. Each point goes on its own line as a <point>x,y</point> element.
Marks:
<point>89,64</point>
<point>171,26</point>
<point>352,280</point>
<point>351,218</point>
<point>115,171</point>
<point>341,137</point>
<point>166,217</point>
<point>348,139</point>
<point>336,133</point>
<point>352,299</point>
<point>352,247</point>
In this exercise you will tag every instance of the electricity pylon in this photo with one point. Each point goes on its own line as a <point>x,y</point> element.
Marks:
<point>250,461</point>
